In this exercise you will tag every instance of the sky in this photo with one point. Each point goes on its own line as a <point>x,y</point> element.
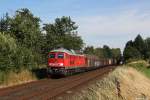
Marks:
<point>110,22</point>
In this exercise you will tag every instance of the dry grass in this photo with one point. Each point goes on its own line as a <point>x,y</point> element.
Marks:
<point>18,78</point>
<point>142,62</point>
<point>141,66</point>
<point>125,83</point>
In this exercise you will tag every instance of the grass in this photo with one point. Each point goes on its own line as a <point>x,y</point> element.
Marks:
<point>11,78</point>
<point>141,66</point>
<point>125,83</point>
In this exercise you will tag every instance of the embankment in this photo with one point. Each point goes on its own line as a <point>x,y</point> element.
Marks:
<point>125,83</point>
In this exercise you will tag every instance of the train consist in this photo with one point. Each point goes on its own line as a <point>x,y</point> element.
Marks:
<point>65,62</point>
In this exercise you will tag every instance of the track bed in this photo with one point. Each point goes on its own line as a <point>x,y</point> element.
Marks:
<point>51,88</point>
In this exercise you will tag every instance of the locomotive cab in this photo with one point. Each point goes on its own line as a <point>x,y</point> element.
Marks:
<point>56,62</point>
<point>56,59</point>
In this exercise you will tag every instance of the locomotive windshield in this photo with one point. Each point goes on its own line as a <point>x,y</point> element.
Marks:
<point>60,55</point>
<point>52,56</point>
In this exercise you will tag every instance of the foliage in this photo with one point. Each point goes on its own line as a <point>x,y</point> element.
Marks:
<point>137,49</point>
<point>147,53</point>
<point>139,44</point>
<point>104,52</point>
<point>131,53</point>
<point>14,57</point>
<point>107,51</point>
<point>89,50</point>
<point>26,28</point>
<point>62,33</point>
<point>7,50</point>
<point>116,53</point>
<point>99,52</point>
<point>4,23</point>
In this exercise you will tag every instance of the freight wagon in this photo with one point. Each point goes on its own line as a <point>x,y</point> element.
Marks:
<point>65,62</point>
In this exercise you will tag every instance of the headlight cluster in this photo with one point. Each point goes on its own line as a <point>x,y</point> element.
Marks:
<point>56,64</point>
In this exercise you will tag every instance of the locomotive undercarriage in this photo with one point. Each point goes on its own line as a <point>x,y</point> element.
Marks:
<point>68,71</point>
<point>64,71</point>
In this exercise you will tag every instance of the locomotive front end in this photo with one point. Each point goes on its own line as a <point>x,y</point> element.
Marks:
<point>56,63</point>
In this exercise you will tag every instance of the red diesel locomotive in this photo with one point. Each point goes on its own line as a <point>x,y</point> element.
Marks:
<point>65,62</point>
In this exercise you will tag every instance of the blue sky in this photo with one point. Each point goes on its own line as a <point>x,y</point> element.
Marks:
<point>111,22</point>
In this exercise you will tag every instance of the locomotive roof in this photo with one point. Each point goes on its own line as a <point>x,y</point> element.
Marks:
<point>65,51</point>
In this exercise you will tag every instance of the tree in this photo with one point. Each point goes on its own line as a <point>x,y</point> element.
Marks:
<point>104,52</point>
<point>116,53</point>
<point>89,50</point>
<point>26,28</point>
<point>65,25</point>
<point>147,53</point>
<point>129,43</point>
<point>107,52</point>
<point>131,53</point>
<point>7,50</point>
<point>62,33</point>
<point>72,41</point>
<point>14,57</point>
<point>99,52</point>
<point>139,44</point>
<point>4,23</point>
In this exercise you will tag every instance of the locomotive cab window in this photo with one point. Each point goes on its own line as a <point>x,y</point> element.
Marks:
<point>52,56</point>
<point>60,55</point>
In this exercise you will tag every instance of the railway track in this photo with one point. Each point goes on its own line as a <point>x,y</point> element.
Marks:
<point>50,88</point>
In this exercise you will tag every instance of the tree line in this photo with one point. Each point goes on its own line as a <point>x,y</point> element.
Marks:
<point>137,49</point>
<point>25,43</point>
<point>104,52</point>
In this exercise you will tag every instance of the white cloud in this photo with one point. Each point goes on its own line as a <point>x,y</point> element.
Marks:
<point>120,23</point>
<point>121,26</point>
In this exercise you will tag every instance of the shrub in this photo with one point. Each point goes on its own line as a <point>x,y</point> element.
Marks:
<point>8,48</point>
<point>14,56</point>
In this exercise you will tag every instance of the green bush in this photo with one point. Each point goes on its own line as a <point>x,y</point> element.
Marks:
<point>8,48</point>
<point>15,57</point>
<point>23,59</point>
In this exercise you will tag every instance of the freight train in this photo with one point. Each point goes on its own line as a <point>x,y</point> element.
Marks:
<point>66,62</point>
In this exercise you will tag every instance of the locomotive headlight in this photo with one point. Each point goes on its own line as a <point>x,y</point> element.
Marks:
<point>49,64</point>
<point>61,64</point>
